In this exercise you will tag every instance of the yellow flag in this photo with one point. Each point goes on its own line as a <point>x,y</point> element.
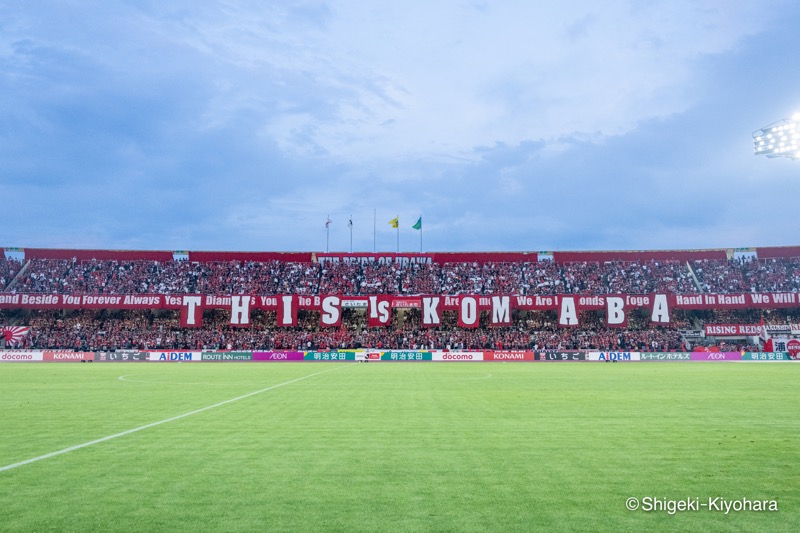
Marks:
<point>395,222</point>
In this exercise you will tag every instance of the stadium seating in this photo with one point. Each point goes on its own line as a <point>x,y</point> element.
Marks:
<point>107,329</point>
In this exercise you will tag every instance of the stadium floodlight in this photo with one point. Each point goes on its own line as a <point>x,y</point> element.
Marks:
<point>779,139</point>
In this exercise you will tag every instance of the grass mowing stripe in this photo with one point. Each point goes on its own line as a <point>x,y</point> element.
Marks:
<point>153,424</point>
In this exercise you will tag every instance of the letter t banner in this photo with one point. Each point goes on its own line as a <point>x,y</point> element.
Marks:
<point>191,312</point>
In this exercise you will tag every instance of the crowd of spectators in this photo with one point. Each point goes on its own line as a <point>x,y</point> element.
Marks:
<point>107,277</point>
<point>350,278</point>
<point>720,276</point>
<point>155,329</point>
<point>531,330</point>
<point>748,275</point>
<point>114,330</point>
<point>8,271</point>
<point>772,275</point>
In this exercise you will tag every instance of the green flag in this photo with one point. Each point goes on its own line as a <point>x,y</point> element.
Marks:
<point>418,225</point>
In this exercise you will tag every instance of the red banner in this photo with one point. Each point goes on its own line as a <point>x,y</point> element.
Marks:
<point>400,259</point>
<point>431,311</point>
<point>509,355</point>
<point>469,316</point>
<point>191,311</point>
<point>733,330</point>
<point>82,301</point>
<point>468,307</point>
<point>379,311</point>
<point>287,311</point>
<point>330,311</point>
<point>406,303</point>
<point>68,357</point>
<point>748,300</point>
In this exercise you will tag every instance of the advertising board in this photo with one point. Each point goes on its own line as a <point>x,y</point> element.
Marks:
<point>456,356</point>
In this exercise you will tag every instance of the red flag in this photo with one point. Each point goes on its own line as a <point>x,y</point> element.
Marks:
<point>14,334</point>
<point>765,337</point>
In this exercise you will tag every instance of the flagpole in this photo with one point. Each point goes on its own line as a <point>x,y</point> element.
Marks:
<point>327,233</point>
<point>398,234</point>
<point>418,226</point>
<point>374,225</point>
<point>351,234</point>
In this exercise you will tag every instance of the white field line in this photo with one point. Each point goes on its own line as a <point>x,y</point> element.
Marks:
<point>147,426</point>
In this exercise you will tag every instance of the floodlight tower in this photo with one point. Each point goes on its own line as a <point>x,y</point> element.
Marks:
<point>779,139</point>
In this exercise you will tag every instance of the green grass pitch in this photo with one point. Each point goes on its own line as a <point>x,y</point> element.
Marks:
<point>398,447</point>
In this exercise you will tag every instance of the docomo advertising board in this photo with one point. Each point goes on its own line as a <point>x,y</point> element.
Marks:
<point>22,356</point>
<point>456,356</point>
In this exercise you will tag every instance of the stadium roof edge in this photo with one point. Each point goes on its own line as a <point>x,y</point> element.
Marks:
<point>444,257</point>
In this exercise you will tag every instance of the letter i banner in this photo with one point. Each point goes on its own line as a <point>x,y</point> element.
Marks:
<point>287,310</point>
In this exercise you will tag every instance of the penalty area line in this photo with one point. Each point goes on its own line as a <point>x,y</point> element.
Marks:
<point>165,421</point>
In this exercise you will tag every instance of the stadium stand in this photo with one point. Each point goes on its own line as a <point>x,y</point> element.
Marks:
<point>9,268</point>
<point>81,272</point>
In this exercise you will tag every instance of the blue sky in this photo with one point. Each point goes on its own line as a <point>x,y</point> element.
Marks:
<point>511,125</point>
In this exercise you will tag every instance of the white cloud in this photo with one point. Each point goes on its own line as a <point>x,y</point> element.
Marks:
<point>440,78</point>
<point>427,78</point>
<point>283,112</point>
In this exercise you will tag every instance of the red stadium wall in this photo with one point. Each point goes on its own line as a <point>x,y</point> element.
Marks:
<point>485,257</point>
<point>770,252</point>
<point>630,256</point>
<point>289,257</point>
<point>100,255</point>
